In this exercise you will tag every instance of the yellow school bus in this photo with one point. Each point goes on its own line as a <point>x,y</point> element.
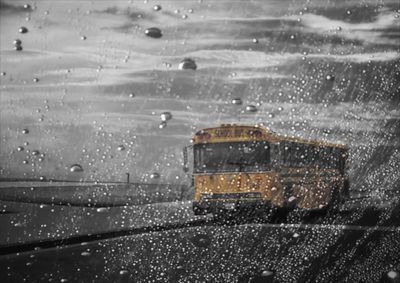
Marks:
<point>238,167</point>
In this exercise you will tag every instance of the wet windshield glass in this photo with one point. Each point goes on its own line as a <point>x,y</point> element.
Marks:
<point>232,157</point>
<point>98,99</point>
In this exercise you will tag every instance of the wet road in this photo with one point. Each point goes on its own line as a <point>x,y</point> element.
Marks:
<point>332,251</point>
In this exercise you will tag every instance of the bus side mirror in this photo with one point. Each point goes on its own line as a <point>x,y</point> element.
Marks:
<point>185,160</point>
<point>187,166</point>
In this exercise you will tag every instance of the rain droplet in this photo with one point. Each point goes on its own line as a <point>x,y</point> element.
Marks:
<point>3,74</point>
<point>102,209</point>
<point>121,147</point>
<point>392,274</point>
<point>184,17</point>
<point>17,42</point>
<point>35,152</point>
<point>292,36</point>
<point>162,125</point>
<point>25,131</point>
<point>27,7</point>
<point>85,254</point>
<point>255,40</point>
<point>154,175</point>
<point>190,11</point>
<point>338,28</point>
<point>165,116</point>
<point>122,272</point>
<point>156,7</point>
<point>251,108</point>
<point>23,30</point>
<point>83,37</point>
<point>330,77</point>
<point>42,178</point>
<point>295,235</point>
<point>266,273</point>
<point>18,48</point>
<point>153,32</point>
<point>25,161</point>
<point>237,101</point>
<point>20,148</point>
<point>131,95</point>
<point>76,168</point>
<point>63,280</point>
<point>35,80</point>
<point>187,63</point>
<point>348,12</point>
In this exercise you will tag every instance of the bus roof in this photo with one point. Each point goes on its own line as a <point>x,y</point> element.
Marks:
<point>237,133</point>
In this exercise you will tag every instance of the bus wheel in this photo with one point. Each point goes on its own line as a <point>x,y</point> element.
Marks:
<point>199,210</point>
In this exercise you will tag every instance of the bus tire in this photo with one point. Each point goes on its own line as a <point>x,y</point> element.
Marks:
<point>199,210</point>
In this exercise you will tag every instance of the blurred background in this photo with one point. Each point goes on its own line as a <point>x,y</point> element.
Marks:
<point>85,85</point>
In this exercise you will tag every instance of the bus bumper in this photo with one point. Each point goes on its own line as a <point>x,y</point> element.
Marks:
<point>204,207</point>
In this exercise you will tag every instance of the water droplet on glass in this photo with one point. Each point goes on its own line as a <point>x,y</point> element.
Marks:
<point>295,235</point>
<point>122,272</point>
<point>18,48</point>
<point>165,116</point>
<point>237,101</point>
<point>63,280</point>
<point>154,175</point>
<point>251,108</point>
<point>27,7</point>
<point>338,28</point>
<point>17,42</point>
<point>121,147</point>
<point>292,36</point>
<point>83,37</point>
<point>76,168</point>
<point>348,12</point>
<point>190,11</point>
<point>156,7</point>
<point>22,30</point>
<point>153,32</point>
<point>20,148</point>
<point>35,152</point>
<point>42,178</point>
<point>184,17</point>
<point>35,80</point>
<point>102,209</point>
<point>392,274</point>
<point>2,74</point>
<point>131,95</point>
<point>266,273</point>
<point>85,254</point>
<point>25,131</point>
<point>25,161</point>
<point>255,40</point>
<point>187,63</point>
<point>330,77</point>
<point>162,125</point>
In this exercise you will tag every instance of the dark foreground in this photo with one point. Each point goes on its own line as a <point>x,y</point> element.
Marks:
<point>366,249</point>
<point>67,238</point>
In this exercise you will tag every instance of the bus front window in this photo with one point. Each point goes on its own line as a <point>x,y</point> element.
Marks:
<point>232,157</point>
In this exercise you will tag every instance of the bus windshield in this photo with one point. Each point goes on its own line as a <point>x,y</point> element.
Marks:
<point>231,157</point>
